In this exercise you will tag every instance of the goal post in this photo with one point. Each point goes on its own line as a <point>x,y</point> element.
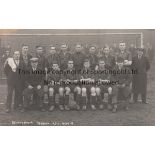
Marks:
<point>100,39</point>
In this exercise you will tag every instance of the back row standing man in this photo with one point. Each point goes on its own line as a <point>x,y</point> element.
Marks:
<point>123,53</point>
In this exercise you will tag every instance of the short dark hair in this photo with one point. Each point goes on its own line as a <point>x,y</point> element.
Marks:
<point>24,45</point>
<point>122,41</point>
<point>39,46</point>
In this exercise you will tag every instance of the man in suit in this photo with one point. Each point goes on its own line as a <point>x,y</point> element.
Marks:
<point>14,81</point>
<point>139,82</point>
<point>34,80</point>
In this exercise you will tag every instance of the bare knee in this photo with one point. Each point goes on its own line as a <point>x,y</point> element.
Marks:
<point>68,90</point>
<point>93,91</point>
<point>61,91</point>
<point>78,90</point>
<point>84,91</point>
<point>98,91</point>
<point>51,91</point>
<point>110,90</point>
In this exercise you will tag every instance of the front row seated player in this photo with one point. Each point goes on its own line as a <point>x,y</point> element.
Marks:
<point>86,89</point>
<point>34,80</point>
<point>89,92</point>
<point>54,86</point>
<point>94,86</point>
<point>62,83</point>
<point>70,77</point>
<point>122,89</point>
<point>103,85</point>
<point>93,93</point>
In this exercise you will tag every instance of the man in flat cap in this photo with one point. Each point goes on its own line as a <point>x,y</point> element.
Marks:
<point>33,91</point>
<point>139,83</point>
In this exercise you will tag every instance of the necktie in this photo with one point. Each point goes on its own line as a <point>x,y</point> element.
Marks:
<point>17,62</point>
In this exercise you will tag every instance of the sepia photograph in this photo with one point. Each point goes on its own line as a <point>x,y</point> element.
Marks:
<point>77,77</point>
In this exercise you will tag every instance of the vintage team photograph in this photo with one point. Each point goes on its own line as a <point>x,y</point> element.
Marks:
<point>77,77</point>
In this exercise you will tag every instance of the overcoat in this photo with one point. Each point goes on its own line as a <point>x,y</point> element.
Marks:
<point>139,80</point>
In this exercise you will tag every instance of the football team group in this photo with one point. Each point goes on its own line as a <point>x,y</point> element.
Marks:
<point>85,77</point>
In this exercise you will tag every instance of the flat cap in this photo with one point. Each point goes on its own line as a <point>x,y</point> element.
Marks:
<point>34,59</point>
